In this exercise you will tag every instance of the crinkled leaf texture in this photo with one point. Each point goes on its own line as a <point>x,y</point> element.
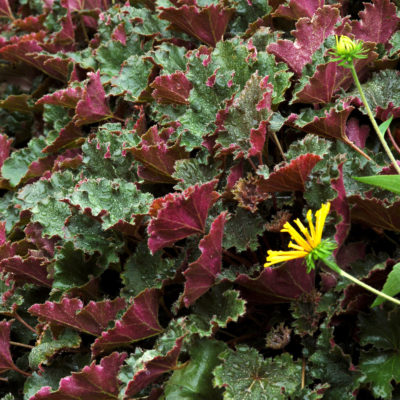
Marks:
<point>180,215</point>
<point>201,274</point>
<point>93,382</point>
<point>139,322</point>
<point>245,374</point>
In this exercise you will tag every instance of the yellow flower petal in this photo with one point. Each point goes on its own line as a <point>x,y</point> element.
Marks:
<point>296,236</point>
<point>275,257</point>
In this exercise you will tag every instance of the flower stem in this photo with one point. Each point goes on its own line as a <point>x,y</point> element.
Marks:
<point>332,265</point>
<point>372,119</point>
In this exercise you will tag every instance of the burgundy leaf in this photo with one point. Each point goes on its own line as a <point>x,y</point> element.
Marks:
<point>180,215</point>
<point>30,23</point>
<point>158,161</point>
<point>93,382</point>
<point>33,232</point>
<point>68,97</point>
<point>174,88</point>
<point>375,213</point>
<point>139,322</point>
<point>27,50</point>
<point>27,270</point>
<point>377,22</point>
<point>290,177</point>
<point>207,24</point>
<point>330,78</point>
<point>54,65</point>
<point>17,102</point>
<point>153,369</point>
<point>332,125</point>
<point>296,9</point>
<point>5,144</point>
<point>357,133</point>
<point>341,207</point>
<point>5,10</point>
<point>201,274</point>
<point>119,33</point>
<point>310,34</point>
<point>6,361</point>
<point>92,319</point>
<point>3,236</point>
<point>278,285</point>
<point>70,159</point>
<point>67,135</point>
<point>93,106</point>
<point>39,167</point>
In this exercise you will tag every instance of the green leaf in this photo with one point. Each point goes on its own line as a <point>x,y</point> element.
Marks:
<point>51,376</point>
<point>381,364</point>
<point>388,182</point>
<point>385,125</point>
<point>243,116</point>
<point>16,166</point>
<point>73,268</point>
<point>50,345</point>
<point>246,375</point>
<point>112,200</point>
<point>380,90</point>
<point>215,309</point>
<point>144,270</point>
<point>192,171</point>
<point>193,381</point>
<point>87,235</point>
<point>43,198</point>
<point>330,365</point>
<point>132,80</point>
<point>391,286</point>
<point>249,225</point>
<point>104,154</point>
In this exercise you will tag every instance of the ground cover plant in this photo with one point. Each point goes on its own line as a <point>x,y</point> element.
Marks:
<point>151,152</point>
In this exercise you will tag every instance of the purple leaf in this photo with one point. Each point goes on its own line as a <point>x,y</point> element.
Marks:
<point>278,285</point>
<point>139,322</point>
<point>201,274</point>
<point>298,8</point>
<point>207,24</point>
<point>5,10</point>
<point>332,125</point>
<point>93,382</point>
<point>33,232</point>
<point>290,177</point>
<point>68,97</point>
<point>5,144</point>
<point>157,158</point>
<point>27,50</point>
<point>375,213</point>
<point>92,319</point>
<point>310,34</point>
<point>6,361</point>
<point>153,369</point>
<point>357,133</point>
<point>377,22</point>
<point>67,135</point>
<point>93,107</point>
<point>341,207</point>
<point>180,215</point>
<point>27,270</point>
<point>172,89</point>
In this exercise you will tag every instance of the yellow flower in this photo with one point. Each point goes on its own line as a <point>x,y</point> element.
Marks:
<point>309,242</point>
<point>346,50</point>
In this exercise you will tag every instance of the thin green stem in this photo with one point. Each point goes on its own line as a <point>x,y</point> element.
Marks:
<point>332,265</point>
<point>372,119</point>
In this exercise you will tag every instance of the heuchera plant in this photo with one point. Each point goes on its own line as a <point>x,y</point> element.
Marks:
<point>151,152</point>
